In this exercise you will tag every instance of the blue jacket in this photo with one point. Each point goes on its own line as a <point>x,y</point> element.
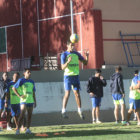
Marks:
<point>116,83</point>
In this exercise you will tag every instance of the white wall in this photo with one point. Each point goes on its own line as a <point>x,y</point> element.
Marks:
<point>49,97</point>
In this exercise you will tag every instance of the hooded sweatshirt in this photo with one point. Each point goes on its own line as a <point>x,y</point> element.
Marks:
<point>95,85</point>
<point>3,87</point>
<point>116,83</point>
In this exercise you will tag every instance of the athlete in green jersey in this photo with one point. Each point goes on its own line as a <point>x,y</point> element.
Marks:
<point>27,98</point>
<point>134,98</point>
<point>70,65</point>
<point>14,99</point>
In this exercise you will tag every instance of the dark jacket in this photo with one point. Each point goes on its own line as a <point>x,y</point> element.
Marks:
<point>116,83</point>
<point>95,85</point>
<point>3,86</point>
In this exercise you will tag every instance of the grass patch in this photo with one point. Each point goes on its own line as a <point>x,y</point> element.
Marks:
<point>104,131</point>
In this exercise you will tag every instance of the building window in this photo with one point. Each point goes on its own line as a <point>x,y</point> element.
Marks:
<point>2,40</point>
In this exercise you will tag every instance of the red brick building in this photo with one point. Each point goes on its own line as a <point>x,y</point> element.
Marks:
<point>37,28</point>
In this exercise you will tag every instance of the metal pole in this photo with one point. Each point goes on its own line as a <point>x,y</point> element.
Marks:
<point>71,9</point>
<point>21,28</point>
<point>38,29</point>
<point>6,47</point>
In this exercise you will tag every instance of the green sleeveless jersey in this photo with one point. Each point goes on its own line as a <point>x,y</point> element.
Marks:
<point>14,99</point>
<point>134,94</point>
<point>27,87</point>
<point>73,67</point>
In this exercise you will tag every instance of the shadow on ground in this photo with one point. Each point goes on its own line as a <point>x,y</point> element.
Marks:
<point>67,134</point>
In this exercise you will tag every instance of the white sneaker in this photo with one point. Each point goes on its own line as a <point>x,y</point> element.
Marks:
<point>116,122</point>
<point>9,128</point>
<point>28,131</point>
<point>81,115</point>
<point>98,122</point>
<point>17,132</point>
<point>135,118</point>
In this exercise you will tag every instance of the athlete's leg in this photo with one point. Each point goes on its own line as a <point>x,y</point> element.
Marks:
<point>22,114</point>
<point>116,112</point>
<point>93,114</point>
<point>64,103</point>
<point>77,98</point>
<point>67,86</point>
<point>123,111</point>
<point>137,115</point>
<point>8,120</point>
<point>23,124</point>
<point>65,100</point>
<point>16,121</point>
<point>129,114</point>
<point>78,101</point>
<point>29,116</point>
<point>97,113</point>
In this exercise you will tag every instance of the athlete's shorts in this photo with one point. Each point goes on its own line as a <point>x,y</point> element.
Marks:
<point>96,101</point>
<point>8,108</point>
<point>134,104</point>
<point>118,99</point>
<point>27,104</point>
<point>15,109</point>
<point>2,103</point>
<point>72,82</point>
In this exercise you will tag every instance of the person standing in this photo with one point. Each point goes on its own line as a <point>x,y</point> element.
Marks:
<point>95,89</point>
<point>134,98</point>
<point>14,99</point>
<point>4,102</point>
<point>118,94</point>
<point>70,65</point>
<point>27,99</point>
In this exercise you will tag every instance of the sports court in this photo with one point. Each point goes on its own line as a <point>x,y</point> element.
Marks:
<point>33,34</point>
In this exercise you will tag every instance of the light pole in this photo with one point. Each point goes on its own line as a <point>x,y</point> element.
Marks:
<point>71,9</point>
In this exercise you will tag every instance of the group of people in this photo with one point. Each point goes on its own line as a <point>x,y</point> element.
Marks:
<point>70,64</point>
<point>17,96</point>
